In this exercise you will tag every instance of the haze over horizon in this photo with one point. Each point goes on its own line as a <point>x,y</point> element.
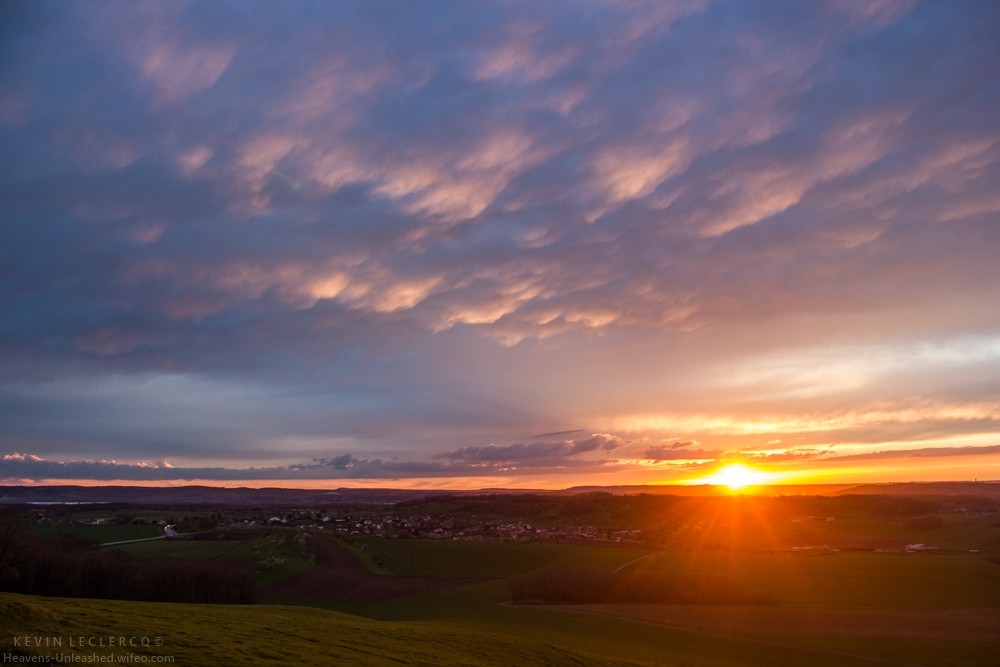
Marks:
<point>467,245</point>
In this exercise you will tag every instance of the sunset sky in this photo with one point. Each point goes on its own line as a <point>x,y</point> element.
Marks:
<point>519,244</point>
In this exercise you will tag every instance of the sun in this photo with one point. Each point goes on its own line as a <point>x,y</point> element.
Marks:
<point>737,476</point>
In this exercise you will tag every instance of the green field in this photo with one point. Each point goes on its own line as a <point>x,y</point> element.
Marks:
<point>957,532</point>
<point>145,514</point>
<point>849,608</point>
<point>844,579</point>
<point>100,533</point>
<point>446,558</point>
<point>269,555</point>
<point>193,549</point>
<point>256,635</point>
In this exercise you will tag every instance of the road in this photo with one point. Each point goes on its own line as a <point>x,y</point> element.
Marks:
<point>168,531</point>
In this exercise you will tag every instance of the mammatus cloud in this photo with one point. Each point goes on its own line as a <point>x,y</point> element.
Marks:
<point>407,230</point>
<point>554,214</point>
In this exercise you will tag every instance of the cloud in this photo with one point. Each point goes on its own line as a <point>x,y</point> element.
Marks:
<point>683,452</point>
<point>537,454</point>
<point>20,466</point>
<point>468,462</point>
<point>559,433</point>
<point>924,452</point>
<point>405,230</point>
<point>429,179</point>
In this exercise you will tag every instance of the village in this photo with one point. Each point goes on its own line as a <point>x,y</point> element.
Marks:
<point>346,524</point>
<point>438,528</point>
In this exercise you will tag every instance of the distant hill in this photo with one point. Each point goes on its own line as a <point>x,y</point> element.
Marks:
<point>715,490</point>
<point>211,495</point>
<point>197,495</point>
<point>990,489</point>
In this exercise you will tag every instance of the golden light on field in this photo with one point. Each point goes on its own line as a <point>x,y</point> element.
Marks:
<point>736,476</point>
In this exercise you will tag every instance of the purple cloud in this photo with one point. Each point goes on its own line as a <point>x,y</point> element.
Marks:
<point>237,234</point>
<point>556,454</point>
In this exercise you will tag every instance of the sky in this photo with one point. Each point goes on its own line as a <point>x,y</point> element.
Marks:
<point>499,244</point>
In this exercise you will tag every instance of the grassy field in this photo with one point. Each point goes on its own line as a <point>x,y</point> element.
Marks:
<point>100,533</point>
<point>192,549</point>
<point>850,608</point>
<point>957,532</point>
<point>256,635</point>
<point>261,635</point>
<point>964,637</point>
<point>274,557</point>
<point>140,513</point>
<point>845,579</point>
<point>446,558</point>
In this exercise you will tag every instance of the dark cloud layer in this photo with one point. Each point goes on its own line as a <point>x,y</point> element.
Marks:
<point>253,234</point>
<point>515,459</point>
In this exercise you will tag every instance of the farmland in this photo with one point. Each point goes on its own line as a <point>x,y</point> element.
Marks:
<point>101,532</point>
<point>223,635</point>
<point>842,585</point>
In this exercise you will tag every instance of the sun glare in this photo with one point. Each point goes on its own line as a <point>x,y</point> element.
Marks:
<point>737,476</point>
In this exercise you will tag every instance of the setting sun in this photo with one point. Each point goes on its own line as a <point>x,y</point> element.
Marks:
<point>737,476</point>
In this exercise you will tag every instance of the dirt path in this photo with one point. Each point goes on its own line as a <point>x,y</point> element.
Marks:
<point>340,577</point>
